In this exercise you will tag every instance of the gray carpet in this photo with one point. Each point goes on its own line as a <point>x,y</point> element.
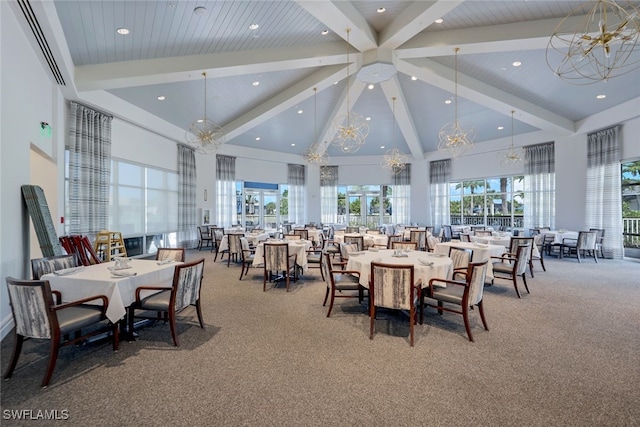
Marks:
<point>568,354</point>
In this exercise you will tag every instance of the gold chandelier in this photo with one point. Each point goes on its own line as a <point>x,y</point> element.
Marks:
<point>351,128</point>
<point>455,139</point>
<point>605,45</point>
<point>205,135</point>
<point>512,157</point>
<point>317,153</point>
<point>393,159</point>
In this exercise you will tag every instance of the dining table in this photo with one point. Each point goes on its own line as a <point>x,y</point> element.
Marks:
<point>427,265</point>
<point>252,239</point>
<point>117,285</point>
<point>481,252</point>
<point>296,247</point>
<point>558,235</point>
<point>369,239</point>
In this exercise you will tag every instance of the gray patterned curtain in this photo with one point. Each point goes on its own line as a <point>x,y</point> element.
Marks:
<point>401,196</point>
<point>187,221</point>
<point>539,186</point>
<point>604,193</point>
<point>329,196</point>
<point>226,190</point>
<point>89,146</point>
<point>439,176</point>
<point>296,194</point>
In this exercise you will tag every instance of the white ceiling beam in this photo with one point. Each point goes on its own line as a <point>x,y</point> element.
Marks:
<point>340,15</point>
<point>481,93</point>
<point>185,68</point>
<point>415,18</point>
<point>391,89</point>
<point>284,100</point>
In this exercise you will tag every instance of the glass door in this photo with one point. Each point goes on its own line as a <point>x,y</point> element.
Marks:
<point>260,209</point>
<point>364,208</point>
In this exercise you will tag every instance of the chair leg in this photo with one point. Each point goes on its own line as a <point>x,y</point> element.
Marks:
<point>53,358</point>
<point>372,319</point>
<point>412,321</point>
<point>542,263</point>
<point>515,285</point>
<point>333,295</point>
<point>326,295</point>
<point>484,321</point>
<point>524,279</point>
<point>199,311</point>
<point>17,348</point>
<point>465,315</point>
<point>531,267</point>
<point>130,315</point>
<point>172,326</point>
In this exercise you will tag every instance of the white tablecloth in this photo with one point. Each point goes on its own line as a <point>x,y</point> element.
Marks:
<point>480,253</point>
<point>442,266</point>
<point>558,236</point>
<point>98,280</point>
<point>296,247</point>
<point>369,239</point>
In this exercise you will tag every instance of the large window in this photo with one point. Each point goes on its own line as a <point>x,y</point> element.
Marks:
<point>260,204</point>
<point>365,205</point>
<point>497,202</point>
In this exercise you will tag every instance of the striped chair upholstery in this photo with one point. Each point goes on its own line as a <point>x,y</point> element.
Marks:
<point>277,259</point>
<point>173,254</point>
<point>46,265</point>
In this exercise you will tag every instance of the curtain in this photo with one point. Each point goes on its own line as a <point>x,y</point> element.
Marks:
<point>329,196</point>
<point>89,146</point>
<point>226,190</point>
<point>539,186</point>
<point>401,197</point>
<point>439,176</point>
<point>604,193</point>
<point>187,221</point>
<point>296,194</point>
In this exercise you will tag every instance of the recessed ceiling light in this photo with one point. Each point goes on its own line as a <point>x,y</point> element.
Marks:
<point>517,64</point>
<point>122,31</point>
<point>293,144</point>
<point>257,138</point>
<point>448,101</point>
<point>300,111</point>
<point>324,32</point>
<point>335,83</point>
<point>500,127</point>
<point>382,147</point>
<point>200,120</point>
<point>368,119</point>
<point>256,83</point>
<point>381,10</point>
<point>171,5</point>
<point>414,78</point>
<point>371,86</point>
<point>601,96</point>
<point>161,98</point>
<point>439,21</point>
<point>200,10</point>
<point>254,26</point>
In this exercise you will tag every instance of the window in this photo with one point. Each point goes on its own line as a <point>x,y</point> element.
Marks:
<point>361,204</point>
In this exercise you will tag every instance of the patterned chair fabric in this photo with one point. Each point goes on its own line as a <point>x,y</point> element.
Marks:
<point>36,316</point>
<point>599,240</point>
<point>419,237</point>
<point>205,237</point>
<point>304,234</point>
<point>392,286</point>
<point>350,230</point>
<point>464,237</point>
<point>510,266</point>
<point>184,292</point>
<point>340,283</point>
<point>519,241</point>
<point>393,238</point>
<point>235,247</point>
<point>405,245</point>
<point>357,240</point>
<point>461,258</point>
<point>173,254</point>
<point>46,265</point>
<point>346,249</point>
<point>292,237</point>
<point>277,259</point>
<point>585,244</point>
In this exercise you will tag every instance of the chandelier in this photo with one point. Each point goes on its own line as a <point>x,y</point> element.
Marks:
<point>454,138</point>
<point>351,128</point>
<point>604,45</point>
<point>205,135</point>
<point>317,153</point>
<point>512,157</point>
<point>393,159</point>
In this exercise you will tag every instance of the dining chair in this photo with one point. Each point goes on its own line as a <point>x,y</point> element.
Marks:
<point>516,241</point>
<point>482,232</point>
<point>352,229</point>
<point>584,245</point>
<point>393,286</point>
<point>184,292</point>
<point>340,283</point>
<point>405,245</point>
<point>464,237</point>
<point>447,233</point>
<point>345,250</point>
<point>462,294</point>
<point>205,237</point>
<point>461,258</point>
<point>42,266</point>
<point>235,247</point>
<point>292,237</point>
<point>278,260</point>
<point>315,258</point>
<point>37,315</point>
<point>374,232</point>
<point>355,240</point>
<point>173,254</point>
<point>247,256</point>
<point>303,233</point>
<point>217,233</point>
<point>511,265</point>
<point>599,240</point>
<point>538,240</point>
<point>419,237</point>
<point>393,238</point>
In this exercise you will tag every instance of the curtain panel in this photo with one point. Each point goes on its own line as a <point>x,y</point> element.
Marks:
<point>187,218</point>
<point>539,186</point>
<point>401,197</point>
<point>604,192</point>
<point>329,196</point>
<point>89,146</point>
<point>439,176</point>
<point>296,193</point>
<point>226,190</point>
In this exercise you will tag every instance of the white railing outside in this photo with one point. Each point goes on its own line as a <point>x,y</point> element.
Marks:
<point>631,231</point>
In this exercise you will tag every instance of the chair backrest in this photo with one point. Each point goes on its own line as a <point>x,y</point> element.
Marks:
<point>429,229</point>
<point>373,232</point>
<point>217,233</point>
<point>355,240</point>
<point>187,280</point>
<point>600,234</point>
<point>404,245</point>
<point>235,243</point>
<point>476,275</point>
<point>519,241</point>
<point>31,307</point>
<point>346,249</point>
<point>393,238</point>
<point>391,286</point>
<point>447,233</point>
<point>292,237</point>
<point>42,266</point>
<point>419,237</point>
<point>460,256</point>
<point>276,256</point>
<point>523,254</point>
<point>539,239</point>
<point>204,232</point>
<point>431,243</point>
<point>352,229</point>
<point>482,232</point>
<point>464,237</point>
<point>286,228</point>
<point>174,254</point>
<point>534,231</point>
<point>327,267</point>
<point>81,247</point>
<point>587,239</point>
<point>303,233</point>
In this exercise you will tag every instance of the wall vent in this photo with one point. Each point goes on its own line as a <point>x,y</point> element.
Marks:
<point>30,16</point>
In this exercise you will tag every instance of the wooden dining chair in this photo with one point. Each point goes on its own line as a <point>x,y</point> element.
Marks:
<point>510,266</point>
<point>173,254</point>
<point>340,283</point>
<point>355,240</point>
<point>278,260</point>
<point>42,266</point>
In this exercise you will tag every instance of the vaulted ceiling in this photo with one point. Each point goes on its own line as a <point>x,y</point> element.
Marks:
<point>401,51</point>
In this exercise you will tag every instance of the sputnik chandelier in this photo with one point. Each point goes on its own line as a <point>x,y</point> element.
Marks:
<point>455,139</point>
<point>512,157</point>
<point>317,152</point>
<point>205,135</point>
<point>393,159</point>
